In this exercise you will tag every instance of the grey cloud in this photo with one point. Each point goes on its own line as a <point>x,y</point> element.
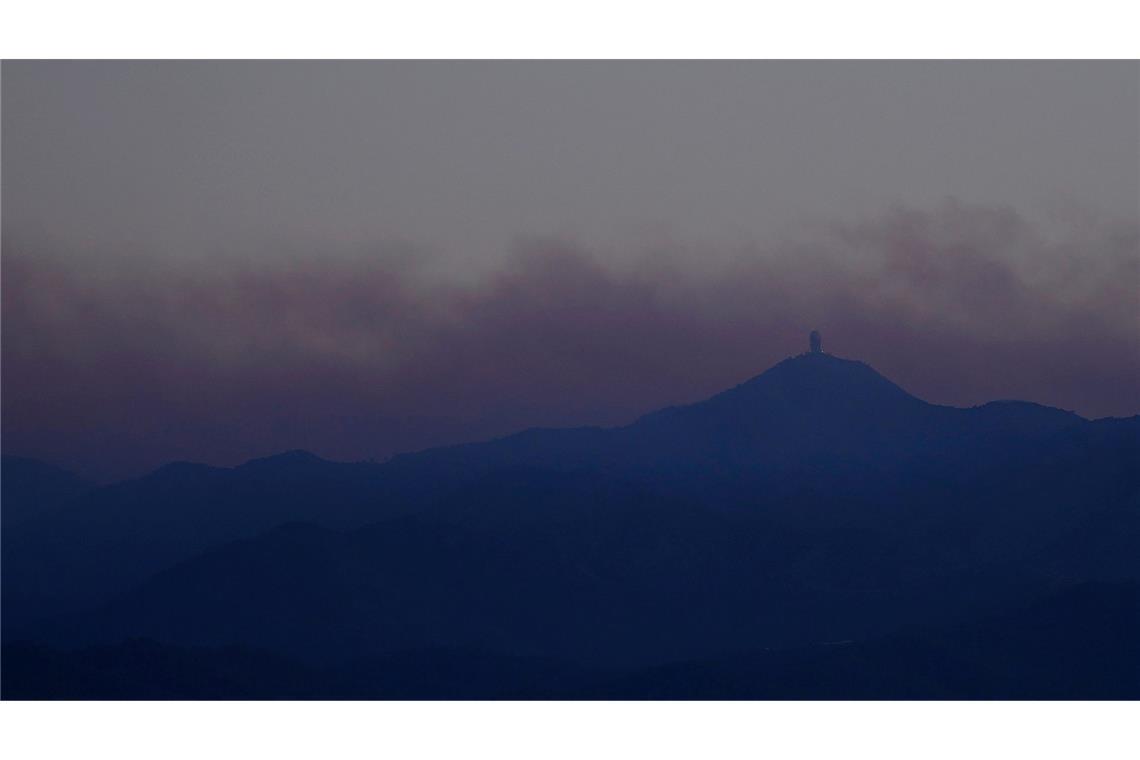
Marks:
<point>117,370</point>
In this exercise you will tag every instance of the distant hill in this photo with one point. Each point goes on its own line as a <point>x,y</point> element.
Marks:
<point>31,489</point>
<point>111,537</point>
<point>815,502</point>
<point>1078,643</point>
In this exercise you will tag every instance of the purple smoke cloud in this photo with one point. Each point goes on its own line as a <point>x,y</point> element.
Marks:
<point>116,370</point>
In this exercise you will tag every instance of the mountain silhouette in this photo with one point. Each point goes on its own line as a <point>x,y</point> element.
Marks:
<point>31,489</point>
<point>815,502</point>
<point>1076,643</point>
<point>812,409</point>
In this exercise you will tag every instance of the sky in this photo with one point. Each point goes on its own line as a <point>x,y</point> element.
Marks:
<point>219,260</point>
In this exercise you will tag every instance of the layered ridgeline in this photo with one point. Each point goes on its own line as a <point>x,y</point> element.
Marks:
<point>817,502</point>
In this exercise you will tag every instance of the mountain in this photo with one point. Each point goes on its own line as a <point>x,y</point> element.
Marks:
<point>31,489</point>
<point>111,537</point>
<point>140,669</point>
<point>813,407</point>
<point>151,670</point>
<point>32,493</point>
<point>1076,643</point>
<point>815,502</point>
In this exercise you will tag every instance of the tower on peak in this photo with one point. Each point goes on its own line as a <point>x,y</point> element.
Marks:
<point>816,342</point>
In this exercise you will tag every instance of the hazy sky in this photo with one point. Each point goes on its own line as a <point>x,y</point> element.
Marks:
<point>464,158</point>
<point>217,260</point>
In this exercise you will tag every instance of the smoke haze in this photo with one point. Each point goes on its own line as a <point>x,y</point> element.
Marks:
<point>363,354</point>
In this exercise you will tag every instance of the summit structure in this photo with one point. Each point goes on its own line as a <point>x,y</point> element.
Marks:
<point>815,341</point>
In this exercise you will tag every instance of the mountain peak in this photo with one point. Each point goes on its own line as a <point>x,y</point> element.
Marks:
<point>818,377</point>
<point>179,469</point>
<point>813,394</point>
<point>290,458</point>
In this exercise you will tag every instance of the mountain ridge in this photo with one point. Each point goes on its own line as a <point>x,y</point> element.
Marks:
<point>818,478</point>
